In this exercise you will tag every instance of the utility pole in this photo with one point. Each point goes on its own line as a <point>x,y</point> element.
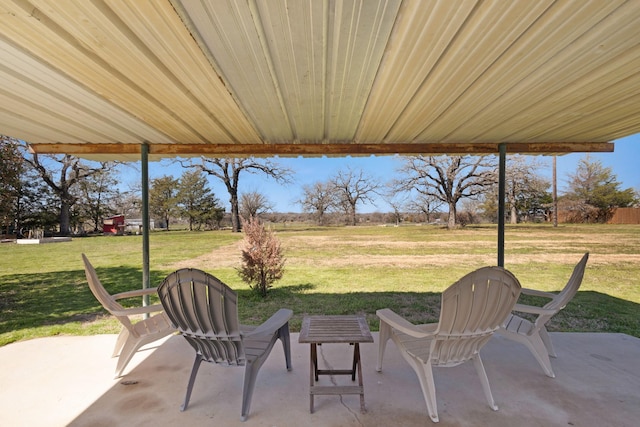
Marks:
<point>555,194</point>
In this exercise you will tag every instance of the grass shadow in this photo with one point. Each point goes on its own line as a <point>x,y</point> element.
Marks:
<point>53,303</point>
<point>591,311</point>
<point>55,300</point>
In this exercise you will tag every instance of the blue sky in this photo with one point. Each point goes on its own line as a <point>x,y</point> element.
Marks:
<point>624,162</point>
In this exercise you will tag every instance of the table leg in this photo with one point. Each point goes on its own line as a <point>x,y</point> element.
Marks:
<point>360,383</point>
<point>313,373</point>
<point>356,359</point>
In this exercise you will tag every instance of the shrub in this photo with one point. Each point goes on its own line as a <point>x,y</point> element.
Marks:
<point>262,258</point>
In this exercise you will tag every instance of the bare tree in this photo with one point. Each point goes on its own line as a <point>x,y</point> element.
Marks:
<point>253,204</point>
<point>525,190</point>
<point>398,202</point>
<point>129,202</point>
<point>353,187</point>
<point>70,171</point>
<point>447,178</point>
<point>318,199</point>
<point>425,204</point>
<point>228,170</point>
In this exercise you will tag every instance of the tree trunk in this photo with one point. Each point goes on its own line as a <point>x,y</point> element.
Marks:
<point>65,217</point>
<point>514,214</point>
<point>235,213</point>
<point>452,216</point>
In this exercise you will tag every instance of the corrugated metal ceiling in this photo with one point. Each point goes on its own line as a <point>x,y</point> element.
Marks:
<point>318,77</point>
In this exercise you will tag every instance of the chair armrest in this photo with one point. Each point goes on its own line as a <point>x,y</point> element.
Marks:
<point>272,324</point>
<point>135,293</point>
<point>536,293</point>
<point>532,309</point>
<point>137,310</point>
<point>401,324</point>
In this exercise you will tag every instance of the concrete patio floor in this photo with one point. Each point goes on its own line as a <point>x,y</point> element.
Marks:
<point>63,381</point>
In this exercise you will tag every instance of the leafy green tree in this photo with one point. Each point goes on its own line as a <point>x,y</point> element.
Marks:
<point>37,206</point>
<point>594,193</point>
<point>262,257</point>
<point>196,201</point>
<point>163,200</point>
<point>11,170</point>
<point>96,198</point>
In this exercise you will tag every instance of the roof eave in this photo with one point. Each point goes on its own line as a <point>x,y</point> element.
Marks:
<point>329,149</point>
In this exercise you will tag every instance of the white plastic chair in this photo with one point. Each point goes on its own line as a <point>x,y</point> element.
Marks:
<point>133,335</point>
<point>534,334</point>
<point>472,309</point>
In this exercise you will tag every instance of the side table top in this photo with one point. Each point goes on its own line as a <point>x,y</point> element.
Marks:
<point>334,329</point>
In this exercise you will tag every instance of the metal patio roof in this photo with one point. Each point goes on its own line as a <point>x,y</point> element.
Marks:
<point>274,77</point>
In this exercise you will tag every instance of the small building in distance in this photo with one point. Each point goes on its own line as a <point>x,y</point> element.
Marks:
<point>113,225</point>
<point>134,226</point>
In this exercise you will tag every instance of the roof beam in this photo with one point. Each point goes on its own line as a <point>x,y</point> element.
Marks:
<point>226,150</point>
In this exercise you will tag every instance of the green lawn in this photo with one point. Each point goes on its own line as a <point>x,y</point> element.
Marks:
<point>341,270</point>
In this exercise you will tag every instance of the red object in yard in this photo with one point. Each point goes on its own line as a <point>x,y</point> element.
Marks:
<point>113,225</point>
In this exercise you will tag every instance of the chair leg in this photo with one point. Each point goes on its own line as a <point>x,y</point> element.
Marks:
<point>192,379</point>
<point>122,338</point>
<point>384,335</point>
<point>546,339</point>
<point>251,370</point>
<point>126,354</point>
<point>540,352</point>
<point>425,375</point>
<point>477,361</point>
<point>283,335</point>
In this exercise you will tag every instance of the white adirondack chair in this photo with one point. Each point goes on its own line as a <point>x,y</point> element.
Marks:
<point>472,309</point>
<point>534,334</point>
<point>134,334</point>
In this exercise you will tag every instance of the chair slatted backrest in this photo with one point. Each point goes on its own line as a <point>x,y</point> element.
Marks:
<point>205,311</point>
<point>567,293</point>
<point>472,309</point>
<point>101,294</point>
